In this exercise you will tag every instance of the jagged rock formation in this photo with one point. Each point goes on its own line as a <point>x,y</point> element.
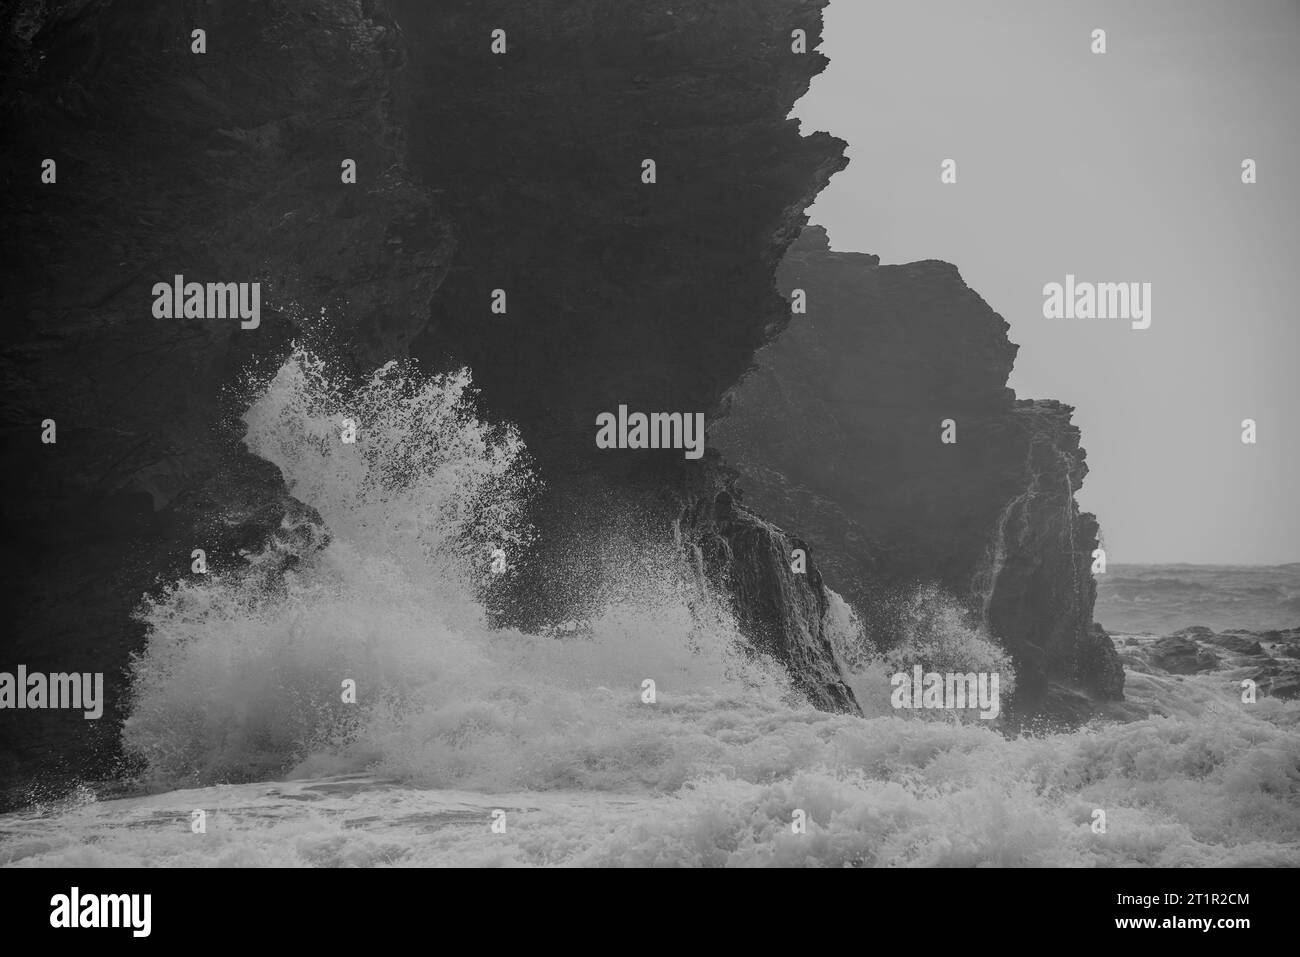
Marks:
<point>475,172</point>
<point>837,433</point>
<point>747,559</point>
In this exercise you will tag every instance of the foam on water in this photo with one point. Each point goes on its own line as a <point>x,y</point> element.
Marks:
<point>240,683</point>
<point>878,792</point>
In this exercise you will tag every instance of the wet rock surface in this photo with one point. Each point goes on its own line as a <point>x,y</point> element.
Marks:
<point>1264,657</point>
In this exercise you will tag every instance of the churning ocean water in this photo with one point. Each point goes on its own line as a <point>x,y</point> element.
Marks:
<point>237,710</point>
<point>1161,599</point>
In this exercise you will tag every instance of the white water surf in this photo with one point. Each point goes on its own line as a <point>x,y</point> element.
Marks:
<point>238,711</point>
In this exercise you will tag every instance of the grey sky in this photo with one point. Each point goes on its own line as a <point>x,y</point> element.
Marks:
<point>1123,167</point>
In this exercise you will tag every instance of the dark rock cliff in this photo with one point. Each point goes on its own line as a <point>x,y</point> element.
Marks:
<point>837,433</point>
<point>475,172</point>
<point>618,292</point>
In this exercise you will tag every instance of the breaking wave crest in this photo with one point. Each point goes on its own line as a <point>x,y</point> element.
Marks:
<point>243,675</point>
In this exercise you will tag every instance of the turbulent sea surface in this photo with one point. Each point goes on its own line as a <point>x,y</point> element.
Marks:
<point>237,709</point>
<point>1165,598</point>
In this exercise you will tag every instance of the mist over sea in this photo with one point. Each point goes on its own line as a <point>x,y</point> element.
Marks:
<point>236,708</point>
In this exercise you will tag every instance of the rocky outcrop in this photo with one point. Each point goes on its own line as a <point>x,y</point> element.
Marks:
<point>474,172</point>
<point>1237,644</point>
<point>1182,656</point>
<point>1238,655</point>
<point>1277,679</point>
<point>783,612</point>
<point>617,291</point>
<point>837,432</point>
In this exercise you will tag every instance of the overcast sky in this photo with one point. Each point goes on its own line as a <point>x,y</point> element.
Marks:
<point>1122,167</point>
